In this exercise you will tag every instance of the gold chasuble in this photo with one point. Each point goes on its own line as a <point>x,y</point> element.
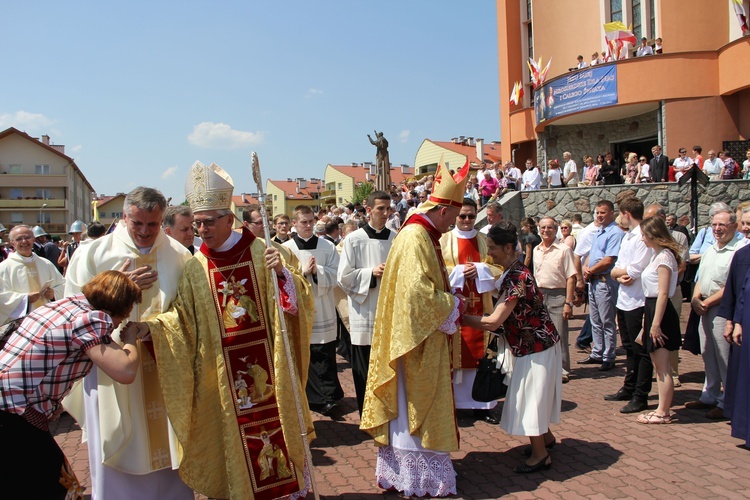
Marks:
<point>224,375</point>
<point>414,301</point>
<point>462,251</point>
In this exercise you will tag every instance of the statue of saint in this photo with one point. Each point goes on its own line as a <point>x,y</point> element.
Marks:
<point>383,162</point>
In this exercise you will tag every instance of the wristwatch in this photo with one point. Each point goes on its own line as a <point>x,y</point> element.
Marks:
<point>569,304</point>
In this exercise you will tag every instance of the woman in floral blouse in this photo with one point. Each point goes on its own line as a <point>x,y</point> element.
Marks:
<point>535,389</point>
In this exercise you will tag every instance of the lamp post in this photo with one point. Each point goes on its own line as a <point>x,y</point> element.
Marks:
<point>41,220</point>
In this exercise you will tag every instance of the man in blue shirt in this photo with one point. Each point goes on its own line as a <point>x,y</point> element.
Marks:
<point>602,287</point>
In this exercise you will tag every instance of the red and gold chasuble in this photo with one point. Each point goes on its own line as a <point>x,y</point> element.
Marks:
<point>247,349</point>
<point>472,340</point>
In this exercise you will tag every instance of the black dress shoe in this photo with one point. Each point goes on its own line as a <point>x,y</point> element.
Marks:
<point>525,468</point>
<point>606,366</point>
<point>634,406</point>
<point>323,409</point>
<point>486,416</point>
<point>590,361</point>
<point>621,395</point>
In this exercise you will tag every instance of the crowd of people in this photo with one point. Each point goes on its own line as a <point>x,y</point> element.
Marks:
<point>192,352</point>
<point>645,48</point>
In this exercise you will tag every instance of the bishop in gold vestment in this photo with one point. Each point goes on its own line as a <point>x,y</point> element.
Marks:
<point>226,383</point>
<point>409,407</point>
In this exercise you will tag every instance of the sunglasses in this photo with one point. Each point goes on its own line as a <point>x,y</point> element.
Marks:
<point>467,216</point>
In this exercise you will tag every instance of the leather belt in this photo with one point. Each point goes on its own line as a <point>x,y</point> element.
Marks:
<point>599,277</point>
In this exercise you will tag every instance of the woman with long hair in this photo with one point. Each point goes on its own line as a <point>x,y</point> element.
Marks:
<point>49,350</point>
<point>661,325</point>
<point>534,393</point>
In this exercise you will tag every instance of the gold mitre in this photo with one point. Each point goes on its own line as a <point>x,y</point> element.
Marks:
<point>208,188</point>
<point>447,189</point>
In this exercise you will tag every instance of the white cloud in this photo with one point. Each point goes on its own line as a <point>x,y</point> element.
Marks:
<point>222,136</point>
<point>403,136</point>
<point>169,172</point>
<point>75,149</point>
<point>312,93</point>
<point>32,123</point>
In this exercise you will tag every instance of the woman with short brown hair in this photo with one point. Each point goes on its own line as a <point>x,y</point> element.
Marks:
<point>43,356</point>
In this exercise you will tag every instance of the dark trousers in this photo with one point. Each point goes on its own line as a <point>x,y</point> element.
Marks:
<point>585,337</point>
<point>344,346</point>
<point>32,465</point>
<point>360,366</point>
<point>323,385</point>
<point>638,365</point>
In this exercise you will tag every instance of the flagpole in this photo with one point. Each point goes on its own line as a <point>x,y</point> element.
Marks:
<point>284,335</point>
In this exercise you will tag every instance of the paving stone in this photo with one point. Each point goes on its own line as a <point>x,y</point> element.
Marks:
<point>600,452</point>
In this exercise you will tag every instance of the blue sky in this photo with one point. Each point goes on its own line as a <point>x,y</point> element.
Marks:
<point>138,91</point>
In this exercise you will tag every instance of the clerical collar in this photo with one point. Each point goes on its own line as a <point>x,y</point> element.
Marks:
<point>28,259</point>
<point>465,235</point>
<point>310,243</point>
<point>234,237</point>
<point>375,234</point>
<point>144,250</point>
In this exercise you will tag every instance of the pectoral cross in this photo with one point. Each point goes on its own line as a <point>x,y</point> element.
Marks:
<point>225,291</point>
<point>472,300</point>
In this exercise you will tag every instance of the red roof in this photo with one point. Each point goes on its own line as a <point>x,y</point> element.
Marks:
<point>291,191</point>
<point>359,173</point>
<point>243,200</point>
<point>103,199</point>
<point>491,151</point>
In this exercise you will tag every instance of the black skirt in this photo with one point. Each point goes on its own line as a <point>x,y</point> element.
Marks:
<point>670,326</point>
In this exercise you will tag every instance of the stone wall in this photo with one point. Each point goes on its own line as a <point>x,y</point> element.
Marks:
<point>593,138</point>
<point>563,203</point>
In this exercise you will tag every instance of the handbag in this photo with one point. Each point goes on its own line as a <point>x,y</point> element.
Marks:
<point>8,329</point>
<point>488,383</point>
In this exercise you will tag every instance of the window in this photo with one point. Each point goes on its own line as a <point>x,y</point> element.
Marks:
<point>42,169</point>
<point>16,193</point>
<point>15,169</point>
<point>636,17</point>
<point>341,200</point>
<point>652,13</point>
<point>16,218</point>
<point>341,185</point>
<point>44,194</point>
<point>275,197</point>
<point>43,217</point>
<point>116,215</point>
<point>615,10</point>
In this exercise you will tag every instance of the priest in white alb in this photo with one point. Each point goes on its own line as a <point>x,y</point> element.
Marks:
<point>133,453</point>
<point>360,272</point>
<point>473,276</point>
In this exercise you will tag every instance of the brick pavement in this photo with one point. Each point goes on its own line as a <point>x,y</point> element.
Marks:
<point>600,452</point>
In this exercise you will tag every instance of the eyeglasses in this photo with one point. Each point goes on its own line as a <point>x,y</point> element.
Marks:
<point>209,222</point>
<point>257,222</point>
<point>722,225</point>
<point>467,216</point>
<point>19,239</point>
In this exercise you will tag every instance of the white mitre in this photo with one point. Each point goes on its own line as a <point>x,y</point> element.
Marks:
<point>208,188</point>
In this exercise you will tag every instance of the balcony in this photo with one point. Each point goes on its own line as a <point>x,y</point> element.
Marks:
<point>32,204</point>
<point>328,193</point>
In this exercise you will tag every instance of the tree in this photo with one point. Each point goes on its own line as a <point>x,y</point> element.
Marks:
<point>362,191</point>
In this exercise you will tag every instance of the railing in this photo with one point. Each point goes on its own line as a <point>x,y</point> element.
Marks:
<point>35,204</point>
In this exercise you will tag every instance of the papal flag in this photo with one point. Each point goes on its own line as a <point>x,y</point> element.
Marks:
<point>739,9</point>
<point>618,31</point>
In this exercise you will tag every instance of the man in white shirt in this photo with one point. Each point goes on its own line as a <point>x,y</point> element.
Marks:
<point>632,259</point>
<point>512,175</point>
<point>709,289</point>
<point>644,49</point>
<point>712,166</point>
<point>532,178</point>
<point>570,170</point>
